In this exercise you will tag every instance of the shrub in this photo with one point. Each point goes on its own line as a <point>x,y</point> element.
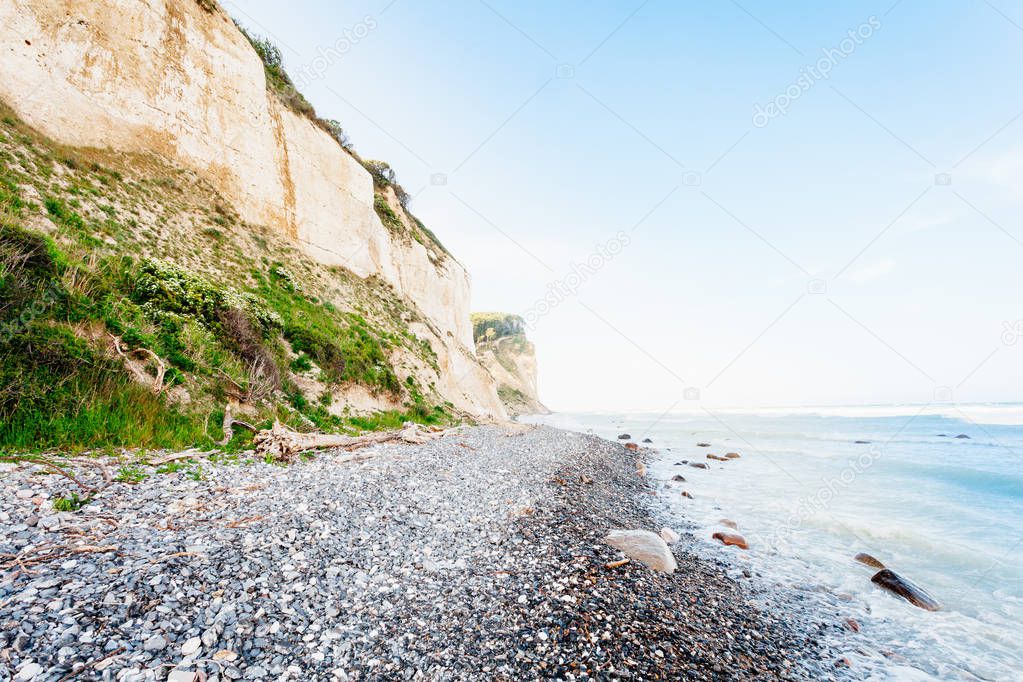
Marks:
<point>130,474</point>
<point>71,503</point>
<point>301,364</point>
<point>30,267</point>
<point>335,130</point>
<point>62,214</point>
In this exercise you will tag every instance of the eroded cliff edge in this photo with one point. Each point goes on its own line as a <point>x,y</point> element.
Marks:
<point>177,79</point>
<point>502,346</point>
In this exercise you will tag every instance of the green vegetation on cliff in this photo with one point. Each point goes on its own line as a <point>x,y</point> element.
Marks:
<point>492,326</point>
<point>134,305</point>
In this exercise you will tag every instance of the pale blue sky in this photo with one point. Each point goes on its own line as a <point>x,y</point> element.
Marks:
<point>815,259</point>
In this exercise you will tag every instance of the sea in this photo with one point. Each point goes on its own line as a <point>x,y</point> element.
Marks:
<point>933,492</point>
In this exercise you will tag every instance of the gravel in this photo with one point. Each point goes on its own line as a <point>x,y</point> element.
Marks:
<point>477,556</point>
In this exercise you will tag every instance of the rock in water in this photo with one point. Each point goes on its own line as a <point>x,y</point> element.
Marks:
<point>669,536</point>
<point>625,436</point>
<point>645,547</point>
<point>893,582</point>
<point>731,539</point>
<point>733,455</point>
<point>963,436</point>
<point>868,560</point>
<point>703,445</point>
<point>647,440</point>
<point>699,465</point>
<point>632,446</point>
<point>679,478</point>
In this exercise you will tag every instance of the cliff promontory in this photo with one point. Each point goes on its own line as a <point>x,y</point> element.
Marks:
<point>501,344</point>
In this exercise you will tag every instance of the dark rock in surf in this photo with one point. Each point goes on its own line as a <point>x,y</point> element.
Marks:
<point>868,560</point>
<point>647,440</point>
<point>862,442</point>
<point>687,494</point>
<point>962,436</point>
<point>679,478</point>
<point>703,445</point>
<point>698,465</point>
<point>631,446</point>
<point>625,436</point>
<point>895,583</point>
<point>718,458</point>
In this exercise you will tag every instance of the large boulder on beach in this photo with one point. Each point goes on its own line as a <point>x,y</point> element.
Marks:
<point>669,535</point>
<point>632,446</point>
<point>895,583</point>
<point>645,547</point>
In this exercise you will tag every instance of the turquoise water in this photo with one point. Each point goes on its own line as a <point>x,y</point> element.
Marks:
<point>945,512</point>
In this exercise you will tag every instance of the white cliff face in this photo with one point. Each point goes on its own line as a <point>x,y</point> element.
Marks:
<point>170,78</point>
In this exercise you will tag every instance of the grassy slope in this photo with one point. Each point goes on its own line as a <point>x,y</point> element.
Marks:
<point>95,244</point>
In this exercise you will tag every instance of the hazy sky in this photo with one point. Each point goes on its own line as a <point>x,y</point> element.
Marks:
<point>734,198</point>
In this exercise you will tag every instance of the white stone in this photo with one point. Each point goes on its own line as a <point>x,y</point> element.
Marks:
<point>669,536</point>
<point>29,671</point>
<point>191,647</point>
<point>177,675</point>
<point>645,547</point>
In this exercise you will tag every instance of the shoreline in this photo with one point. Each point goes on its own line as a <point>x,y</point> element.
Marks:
<point>477,555</point>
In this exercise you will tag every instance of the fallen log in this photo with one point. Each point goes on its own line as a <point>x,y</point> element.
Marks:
<point>895,583</point>
<point>282,444</point>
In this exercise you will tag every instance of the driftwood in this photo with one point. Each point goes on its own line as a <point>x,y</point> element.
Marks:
<point>283,445</point>
<point>230,422</point>
<point>46,553</point>
<point>139,370</point>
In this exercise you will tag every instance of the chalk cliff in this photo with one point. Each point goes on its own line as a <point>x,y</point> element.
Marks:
<point>178,79</point>
<point>502,346</point>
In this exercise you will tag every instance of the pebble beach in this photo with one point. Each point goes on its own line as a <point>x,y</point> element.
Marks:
<point>480,555</point>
